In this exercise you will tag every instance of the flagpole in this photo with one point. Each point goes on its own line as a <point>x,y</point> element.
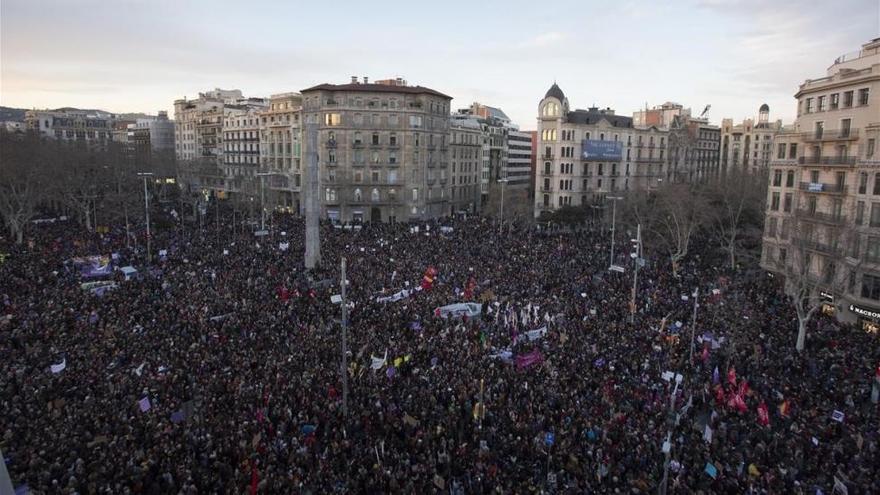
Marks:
<point>481,408</point>
<point>694,323</point>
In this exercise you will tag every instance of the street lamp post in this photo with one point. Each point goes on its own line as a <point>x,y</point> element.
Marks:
<point>144,175</point>
<point>637,258</point>
<point>694,323</point>
<point>502,182</point>
<point>613,224</point>
<point>262,199</point>
<point>343,365</point>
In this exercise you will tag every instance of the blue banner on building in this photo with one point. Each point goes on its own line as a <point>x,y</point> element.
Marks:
<point>594,149</point>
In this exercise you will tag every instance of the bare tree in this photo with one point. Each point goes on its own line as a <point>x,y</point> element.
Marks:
<point>735,209</point>
<point>676,213</point>
<point>77,175</point>
<point>22,166</point>
<point>813,259</point>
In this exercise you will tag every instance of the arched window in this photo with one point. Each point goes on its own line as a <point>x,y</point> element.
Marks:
<point>547,168</point>
<point>551,109</point>
<point>375,195</point>
<point>357,195</point>
<point>392,194</point>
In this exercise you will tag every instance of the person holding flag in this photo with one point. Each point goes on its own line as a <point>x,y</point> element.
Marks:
<point>428,278</point>
<point>763,414</point>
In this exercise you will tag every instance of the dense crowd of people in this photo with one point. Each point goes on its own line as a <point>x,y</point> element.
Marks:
<point>217,369</point>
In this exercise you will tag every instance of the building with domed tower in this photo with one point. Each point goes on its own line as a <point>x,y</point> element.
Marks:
<point>585,155</point>
<point>748,145</point>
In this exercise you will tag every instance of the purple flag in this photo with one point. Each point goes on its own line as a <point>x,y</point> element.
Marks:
<point>716,377</point>
<point>599,363</point>
<point>526,360</point>
<point>177,417</point>
<point>145,404</point>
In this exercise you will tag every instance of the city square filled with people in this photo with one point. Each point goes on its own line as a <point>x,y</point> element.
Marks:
<point>216,368</point>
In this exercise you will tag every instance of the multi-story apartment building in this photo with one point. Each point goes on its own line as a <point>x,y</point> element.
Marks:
<point>152,134</point>
<point>91,127</point>
<point>240,152</point>
<point>694,149</point>
<point>280,150</point>
<point>584,155</point>
<point>200,129</point>
<point>748,146</point>
<point>383,150</point>
<point>505,170</point>
<point>823,209</point>
<point>199,123</point>
<point>519,159</point>
<point>694,144</point>
<point>466,159</point>
<point>533,166</point>
<point>660,116</point>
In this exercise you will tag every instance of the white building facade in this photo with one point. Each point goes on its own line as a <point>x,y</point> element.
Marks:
<point>585,155</point>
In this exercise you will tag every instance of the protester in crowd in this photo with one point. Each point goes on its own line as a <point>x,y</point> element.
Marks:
<point>217,368</point>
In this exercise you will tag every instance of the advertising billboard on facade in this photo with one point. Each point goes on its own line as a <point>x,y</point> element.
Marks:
<point>594,149</point>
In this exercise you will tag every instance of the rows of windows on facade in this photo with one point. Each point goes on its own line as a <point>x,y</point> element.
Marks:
<point>835,101</point>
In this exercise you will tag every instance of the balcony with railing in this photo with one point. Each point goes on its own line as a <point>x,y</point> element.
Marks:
<point>830,135</point>
<point>547,156</point>
<point>827,160</point>
<point>820,247</point>
<point>818,216</point>
<point>820,187</point>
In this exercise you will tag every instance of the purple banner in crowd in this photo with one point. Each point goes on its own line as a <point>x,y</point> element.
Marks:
<point>524,361</point>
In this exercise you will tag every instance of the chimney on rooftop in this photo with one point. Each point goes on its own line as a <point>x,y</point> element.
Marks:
<point>354,79</point>
<point>366,80</point>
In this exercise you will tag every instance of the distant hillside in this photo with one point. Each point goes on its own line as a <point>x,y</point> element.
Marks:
<point>12,114</point>
<point>17,114</point>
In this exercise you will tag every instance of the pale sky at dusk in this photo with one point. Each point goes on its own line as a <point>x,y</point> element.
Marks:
<point>138,56</point>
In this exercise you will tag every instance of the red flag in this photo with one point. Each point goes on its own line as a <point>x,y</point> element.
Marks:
<point>469,289</point>
<point>731,375</point>
<point>255,479</point>
<point>719,394</point>
<point>744,388</point>
<point>705,353</point>
<point>428,278</point>
<point>763,415</point>
<point>736,402</point>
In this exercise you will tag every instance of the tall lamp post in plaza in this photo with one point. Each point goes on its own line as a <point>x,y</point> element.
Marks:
<point>144,175</point>
<point>637,259</point>
<point>502,182</point>
<point>694,322</point>
<point>343,365</point>
<point>262,199</point>
<point>613,223</point>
